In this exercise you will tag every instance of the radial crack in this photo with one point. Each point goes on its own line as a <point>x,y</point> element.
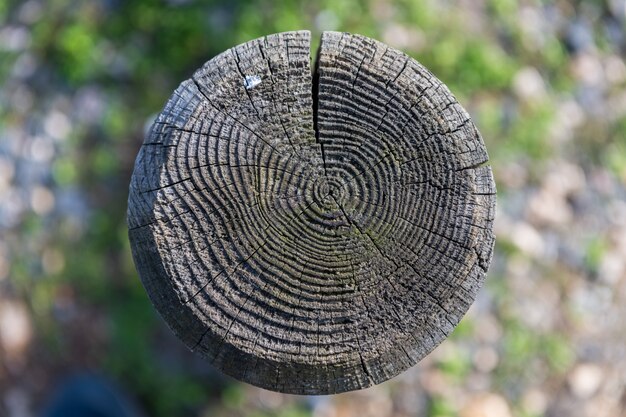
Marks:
<point>315,87</point>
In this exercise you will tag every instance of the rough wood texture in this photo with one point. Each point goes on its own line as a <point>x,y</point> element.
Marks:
<point>312,233</point>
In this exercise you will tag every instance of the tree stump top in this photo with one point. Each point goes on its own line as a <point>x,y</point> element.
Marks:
<point>306,231</point>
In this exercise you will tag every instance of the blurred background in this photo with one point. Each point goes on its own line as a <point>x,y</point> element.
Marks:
<point>546,85</point>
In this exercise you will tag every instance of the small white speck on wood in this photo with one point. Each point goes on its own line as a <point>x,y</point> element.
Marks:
<point>251,81</point>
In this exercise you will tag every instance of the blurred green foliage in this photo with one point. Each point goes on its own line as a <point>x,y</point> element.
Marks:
<point>441,407</point>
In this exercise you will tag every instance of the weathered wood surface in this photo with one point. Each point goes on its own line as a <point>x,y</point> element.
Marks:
<point>312,233</point>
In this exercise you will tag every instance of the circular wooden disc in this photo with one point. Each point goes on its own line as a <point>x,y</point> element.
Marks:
<point>312,233</point>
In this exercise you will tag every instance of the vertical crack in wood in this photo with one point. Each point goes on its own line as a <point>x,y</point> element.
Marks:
<point>315,89</point>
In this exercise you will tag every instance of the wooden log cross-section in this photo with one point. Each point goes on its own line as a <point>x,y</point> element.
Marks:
<point>312,229</point>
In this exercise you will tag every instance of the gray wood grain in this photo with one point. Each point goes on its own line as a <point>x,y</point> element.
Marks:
<point>306,232</point>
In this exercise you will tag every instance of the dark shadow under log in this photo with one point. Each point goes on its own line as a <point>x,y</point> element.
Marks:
<point>312,233</point>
